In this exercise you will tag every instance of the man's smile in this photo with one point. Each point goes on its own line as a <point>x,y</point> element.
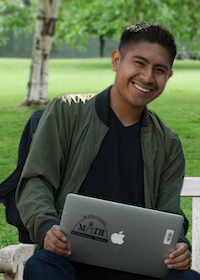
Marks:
<point>145,90</point>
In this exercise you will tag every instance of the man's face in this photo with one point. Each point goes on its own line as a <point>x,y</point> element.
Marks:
<point>141,75</point>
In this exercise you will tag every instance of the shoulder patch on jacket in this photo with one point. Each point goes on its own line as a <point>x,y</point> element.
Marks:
<point>76,98</point>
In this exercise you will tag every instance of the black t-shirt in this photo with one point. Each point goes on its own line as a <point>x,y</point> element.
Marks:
<point>116,173</point>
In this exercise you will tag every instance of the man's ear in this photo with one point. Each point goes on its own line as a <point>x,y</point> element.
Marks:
<point>116,57</point>
<point>170,73</point>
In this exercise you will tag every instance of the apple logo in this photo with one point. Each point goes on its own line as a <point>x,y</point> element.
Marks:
<point>118,238</point>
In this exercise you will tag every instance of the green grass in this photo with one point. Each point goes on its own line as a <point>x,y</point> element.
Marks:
<point>178,106</point>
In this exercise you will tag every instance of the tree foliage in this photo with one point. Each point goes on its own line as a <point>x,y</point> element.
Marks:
<point>107,18</point>
<point>80,19</point>
<point>16,15</point>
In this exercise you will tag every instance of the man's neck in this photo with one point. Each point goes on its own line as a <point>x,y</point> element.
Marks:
<point>126,119</point>
<point>128,115</point>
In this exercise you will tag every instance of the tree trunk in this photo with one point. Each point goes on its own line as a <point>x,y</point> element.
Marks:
<point>102,45</point>
<point>44,32</point>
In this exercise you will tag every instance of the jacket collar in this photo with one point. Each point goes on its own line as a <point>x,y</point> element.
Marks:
<point>102,108</point>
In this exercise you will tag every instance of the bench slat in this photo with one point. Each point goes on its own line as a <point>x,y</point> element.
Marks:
<point>191,186</point>
<point>196,233</point>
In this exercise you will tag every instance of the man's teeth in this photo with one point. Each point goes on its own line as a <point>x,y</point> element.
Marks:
<point>142,89</point>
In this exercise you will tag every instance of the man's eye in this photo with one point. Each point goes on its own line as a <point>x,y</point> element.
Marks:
<point>139,63</point>
<point>160,70</point>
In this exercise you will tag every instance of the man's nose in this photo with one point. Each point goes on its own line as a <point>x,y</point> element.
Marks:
<point>147,75</point>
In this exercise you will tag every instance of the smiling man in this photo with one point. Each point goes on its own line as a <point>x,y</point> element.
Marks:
<point>108,146</point>
<point>141,76</point>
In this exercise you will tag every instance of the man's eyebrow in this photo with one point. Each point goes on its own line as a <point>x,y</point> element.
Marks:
<point>146,60</point>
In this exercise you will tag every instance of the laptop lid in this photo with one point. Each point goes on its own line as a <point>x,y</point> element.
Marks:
<point>119,236</point>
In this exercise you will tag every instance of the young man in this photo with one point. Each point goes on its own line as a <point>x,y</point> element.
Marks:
<point>108,146</point>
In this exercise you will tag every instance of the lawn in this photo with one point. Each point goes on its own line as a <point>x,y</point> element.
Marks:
<point>178,106</point>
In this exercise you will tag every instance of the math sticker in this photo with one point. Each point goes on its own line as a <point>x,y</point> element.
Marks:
<point>92,227</point>
<point>168,237</point>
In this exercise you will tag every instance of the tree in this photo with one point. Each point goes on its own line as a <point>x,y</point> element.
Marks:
<point>90,18</point>
<point>44,33</point>
<point>107,19</point>
<point>183,20</point>
<point>18,15</point>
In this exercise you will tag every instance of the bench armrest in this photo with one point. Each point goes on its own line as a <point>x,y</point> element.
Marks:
<point>12,258</point>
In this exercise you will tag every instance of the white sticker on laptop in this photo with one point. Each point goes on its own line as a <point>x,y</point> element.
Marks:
<point>168,237</point>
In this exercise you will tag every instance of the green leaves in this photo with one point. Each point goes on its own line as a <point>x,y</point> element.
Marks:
<point>80,19</point>
<point>16,15</point>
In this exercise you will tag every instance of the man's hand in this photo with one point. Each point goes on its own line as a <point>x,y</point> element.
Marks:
<point>56,242</point>
<point>180,258</point>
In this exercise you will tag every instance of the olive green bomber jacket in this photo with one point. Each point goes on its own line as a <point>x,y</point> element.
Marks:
<point>66,142</point>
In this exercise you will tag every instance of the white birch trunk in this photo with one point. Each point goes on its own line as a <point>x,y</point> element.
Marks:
<point>44,32</point>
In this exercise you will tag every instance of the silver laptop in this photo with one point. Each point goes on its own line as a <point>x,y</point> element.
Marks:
<point>119,236</point>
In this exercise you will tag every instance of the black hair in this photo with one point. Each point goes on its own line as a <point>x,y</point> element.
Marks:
<point>152,33</point>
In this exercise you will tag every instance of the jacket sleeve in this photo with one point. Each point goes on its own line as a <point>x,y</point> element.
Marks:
<point>40,179</point>
<point>171,181</point>
<point>164,169</point>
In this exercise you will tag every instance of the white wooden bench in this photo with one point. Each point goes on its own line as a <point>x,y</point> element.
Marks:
<point>13,256</point>
<point>191,187</point>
